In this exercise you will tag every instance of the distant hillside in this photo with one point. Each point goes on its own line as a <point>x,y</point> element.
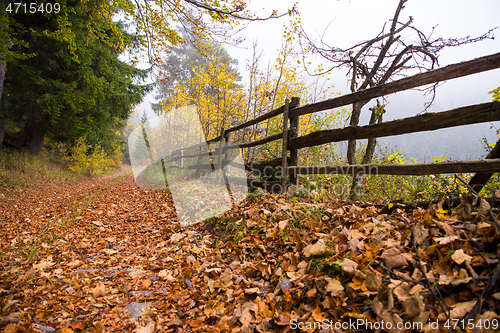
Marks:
<point>459,143</point>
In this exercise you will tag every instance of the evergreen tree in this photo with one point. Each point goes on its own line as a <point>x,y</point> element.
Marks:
<point>63,97</point>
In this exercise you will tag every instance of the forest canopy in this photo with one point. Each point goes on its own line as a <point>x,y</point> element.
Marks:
<point>61,74</point>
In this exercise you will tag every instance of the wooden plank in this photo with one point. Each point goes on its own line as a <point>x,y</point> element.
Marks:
<point>241,145</point>
<point>201,144</point>
<point>227,139</point>
<point>266,164</point>
<point>276,112</point>
<point>284,146</point>
<point>256,143</point>
<point>492,165</point>
<point>177,151</point>
<point>217,139</point>
<point>208,166</point>
<point>425,122</point>
<point>181,157</point>
<point>164,172</point>
<point>465,68</point>
<point>234,146</point>
<point>294,153</point>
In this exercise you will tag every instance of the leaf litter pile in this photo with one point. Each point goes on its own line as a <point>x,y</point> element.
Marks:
<point>106,256</point>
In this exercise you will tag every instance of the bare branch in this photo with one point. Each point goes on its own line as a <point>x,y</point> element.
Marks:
<point>386,57</point>
<point>235,12</point>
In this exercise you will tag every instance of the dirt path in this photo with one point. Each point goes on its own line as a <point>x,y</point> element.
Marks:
<point>57,247</point>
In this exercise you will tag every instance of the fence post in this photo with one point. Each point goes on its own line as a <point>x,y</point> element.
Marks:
<point>294,153</point>
<point>221,148</point>
<point>284,149</point>
<point>164,172</point>
<point>228,151</point>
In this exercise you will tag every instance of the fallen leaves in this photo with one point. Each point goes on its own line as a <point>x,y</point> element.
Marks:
<point>393,258</point>
<point>113,257</point>
<point>99,290</point>
<point>334,287</point>
<point>459,256</point>
<point>317,249</point>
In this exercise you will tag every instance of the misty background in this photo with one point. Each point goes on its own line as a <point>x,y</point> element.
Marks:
<point>344,23</point>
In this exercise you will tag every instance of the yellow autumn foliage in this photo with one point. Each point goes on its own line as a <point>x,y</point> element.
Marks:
<point>221,102</point>
<point>92,160</point>
<point>215,93</point>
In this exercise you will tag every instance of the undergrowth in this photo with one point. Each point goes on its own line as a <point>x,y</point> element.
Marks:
<point>20,170</point>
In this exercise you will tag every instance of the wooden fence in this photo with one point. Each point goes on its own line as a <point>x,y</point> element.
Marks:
<point>291,111</point>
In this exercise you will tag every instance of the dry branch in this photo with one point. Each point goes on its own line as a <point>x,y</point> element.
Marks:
<point>465,68</point>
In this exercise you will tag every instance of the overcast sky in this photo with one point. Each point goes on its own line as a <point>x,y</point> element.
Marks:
<point>342,23</point>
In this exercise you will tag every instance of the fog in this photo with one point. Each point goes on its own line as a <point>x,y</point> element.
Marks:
<point>343,23</point>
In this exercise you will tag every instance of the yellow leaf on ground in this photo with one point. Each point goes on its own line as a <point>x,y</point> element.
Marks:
<point>149,328</point>
<point>334,286</point>
<point>441,213</point>
<point>461,309</point>
<point>316,249</point>
<point>318,315</point>
<point>226,278</point>
<point>349,266</point>
<point>66,330</point>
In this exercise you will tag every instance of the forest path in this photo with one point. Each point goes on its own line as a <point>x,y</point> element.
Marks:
<point>60,243</point>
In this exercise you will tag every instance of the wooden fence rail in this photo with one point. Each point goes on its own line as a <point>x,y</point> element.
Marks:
<point>449,72</point>
<point>420,169</point>
<point>426,122</point>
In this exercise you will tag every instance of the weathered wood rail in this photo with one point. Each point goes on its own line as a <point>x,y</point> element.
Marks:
<point>291,111</point>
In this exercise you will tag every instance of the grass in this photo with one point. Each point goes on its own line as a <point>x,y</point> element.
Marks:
<point>20,171</point>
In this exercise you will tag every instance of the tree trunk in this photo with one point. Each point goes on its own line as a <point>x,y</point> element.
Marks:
<point>3,68</point>
<point>357,181</point>
<point>3,116</point>
<point>34,129</point>
<point>376,118</point>
<point>351,145</point>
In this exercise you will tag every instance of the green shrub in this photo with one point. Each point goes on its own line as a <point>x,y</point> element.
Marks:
<point>386,188</point>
